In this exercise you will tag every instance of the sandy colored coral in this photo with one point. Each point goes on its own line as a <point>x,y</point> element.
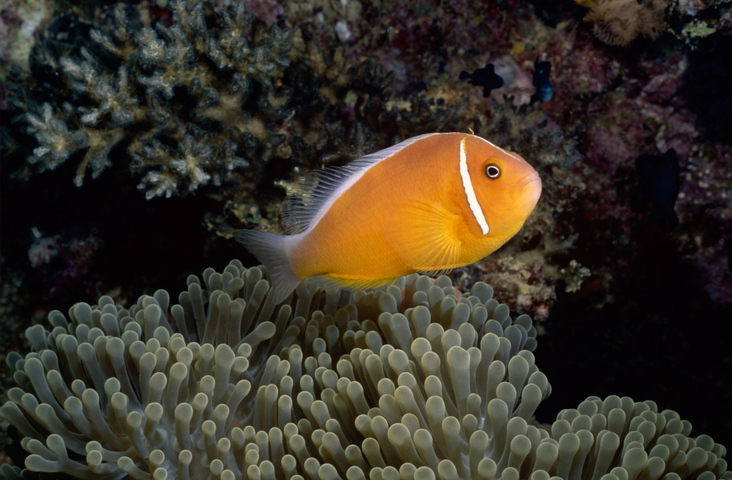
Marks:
<point>408,381</point>
<point>619,22</point>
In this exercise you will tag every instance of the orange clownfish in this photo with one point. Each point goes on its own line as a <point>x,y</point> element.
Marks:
<point>428,204</point>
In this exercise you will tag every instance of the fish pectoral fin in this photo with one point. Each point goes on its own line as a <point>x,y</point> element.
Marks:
<point>426,237</point>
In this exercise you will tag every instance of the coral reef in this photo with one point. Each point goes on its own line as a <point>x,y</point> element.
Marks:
<point>185,104</point>
<point>173,101</point>
<point>408,381</point>
<point>105,108</point>
<point>610,105</point>
<point>331,107</point>
<point>694,20</point>
<point>619,22</point>
<point>141,85</point>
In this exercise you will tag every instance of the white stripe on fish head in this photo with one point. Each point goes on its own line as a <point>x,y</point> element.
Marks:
<point>469,191</point>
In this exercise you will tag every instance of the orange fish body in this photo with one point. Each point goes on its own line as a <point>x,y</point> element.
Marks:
<point>429,204</point>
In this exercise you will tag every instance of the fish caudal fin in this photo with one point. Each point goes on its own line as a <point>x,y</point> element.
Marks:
<point>271,250</point>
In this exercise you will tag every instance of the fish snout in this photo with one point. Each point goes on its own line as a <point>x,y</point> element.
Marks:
<point>530,189</point>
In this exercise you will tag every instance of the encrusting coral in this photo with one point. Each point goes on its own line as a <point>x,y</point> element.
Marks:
<point>409,381</point>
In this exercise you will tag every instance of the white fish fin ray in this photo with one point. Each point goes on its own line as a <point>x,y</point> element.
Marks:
<point>271,250</point>
<point>309,199</point>
<point>425,235</point>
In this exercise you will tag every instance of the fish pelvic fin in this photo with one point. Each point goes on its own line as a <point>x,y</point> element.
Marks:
<point>271,250</point>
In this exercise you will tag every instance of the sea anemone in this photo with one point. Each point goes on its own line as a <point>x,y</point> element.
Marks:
<point>412,380</point>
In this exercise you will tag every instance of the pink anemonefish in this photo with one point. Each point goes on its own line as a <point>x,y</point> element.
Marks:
<point>428,204</point>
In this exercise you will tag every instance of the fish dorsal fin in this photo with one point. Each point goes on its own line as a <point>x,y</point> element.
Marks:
<point>426,235</point>
<point>309,199</point>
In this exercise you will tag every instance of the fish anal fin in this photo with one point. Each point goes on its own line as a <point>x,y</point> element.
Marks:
<point>426,235</point>
<point>330,281</point>
<point>436,273</point>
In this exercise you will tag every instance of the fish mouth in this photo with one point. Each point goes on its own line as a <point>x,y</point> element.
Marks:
<point>530,188</point>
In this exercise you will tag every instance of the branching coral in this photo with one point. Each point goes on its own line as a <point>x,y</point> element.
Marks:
<point>147,85</point>
<point>186,104</point>
<point>409,381</point>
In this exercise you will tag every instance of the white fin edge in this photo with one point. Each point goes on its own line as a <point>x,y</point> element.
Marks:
<point>510,154</point>
<point>470,192</point>
<point>309,201</point>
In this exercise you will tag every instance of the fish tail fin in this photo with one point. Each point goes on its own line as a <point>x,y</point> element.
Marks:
<point>271,250</point>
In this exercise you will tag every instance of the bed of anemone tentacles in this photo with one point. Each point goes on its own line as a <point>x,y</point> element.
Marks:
<point>410,381</point>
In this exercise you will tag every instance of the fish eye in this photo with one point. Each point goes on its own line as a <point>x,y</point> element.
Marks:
<point>492,171</point>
